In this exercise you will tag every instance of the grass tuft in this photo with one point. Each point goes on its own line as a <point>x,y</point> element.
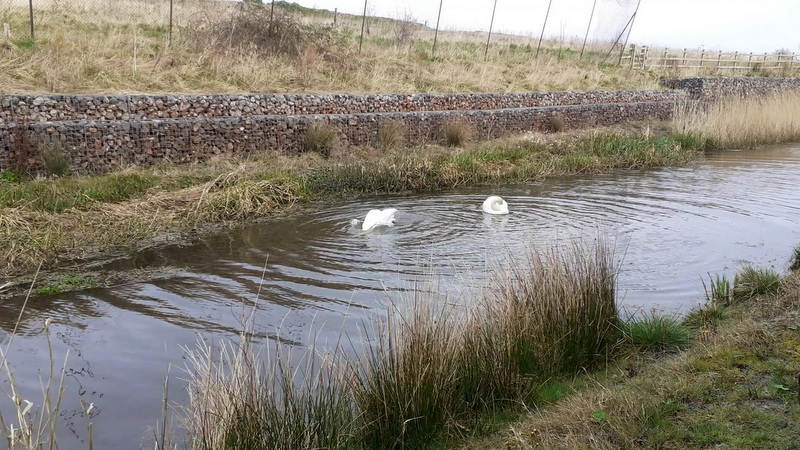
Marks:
<point>320,138</point>
<point>390,135</point>
<point>243,399</point>
<point>656,334</point>
<point>719,291</point>
<point>556,124</point>
<point>751,283</point>
<point>56,158</point>
<point>456,132</point>
<point>794,262</point>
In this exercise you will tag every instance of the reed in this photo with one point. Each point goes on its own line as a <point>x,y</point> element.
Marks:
<point>241,398</point>
<point>35,423</point>
<point>744,122</point>
<point>434,370</point>
<point>407,387</point>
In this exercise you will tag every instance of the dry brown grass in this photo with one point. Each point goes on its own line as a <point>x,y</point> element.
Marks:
<point>107,46</point>
<point>738,123</point>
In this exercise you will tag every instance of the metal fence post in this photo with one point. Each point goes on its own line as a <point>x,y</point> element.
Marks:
<point>30,11</point>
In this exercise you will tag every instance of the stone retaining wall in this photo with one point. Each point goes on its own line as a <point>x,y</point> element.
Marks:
<point>711,89</point>
<point>13,108</point>
<point>98,146</point>
<point>101,133</point>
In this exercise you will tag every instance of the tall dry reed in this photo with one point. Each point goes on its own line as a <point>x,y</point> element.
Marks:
<point>743,122</point>
<point>241,398</point>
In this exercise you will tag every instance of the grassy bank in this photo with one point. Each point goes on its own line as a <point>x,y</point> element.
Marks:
<point>736,386</point>
<point>52,220</point>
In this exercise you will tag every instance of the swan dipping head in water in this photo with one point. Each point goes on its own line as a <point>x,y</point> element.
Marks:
<point>379,217</point>
<point>495,205</point>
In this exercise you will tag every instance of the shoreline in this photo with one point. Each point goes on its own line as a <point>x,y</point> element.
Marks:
<point>177,204</point>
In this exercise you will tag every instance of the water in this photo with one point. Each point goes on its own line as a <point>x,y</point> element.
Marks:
<point>315,275</point>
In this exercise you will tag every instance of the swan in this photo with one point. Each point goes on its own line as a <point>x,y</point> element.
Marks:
<point>376,217</point>
<point>495,205</point>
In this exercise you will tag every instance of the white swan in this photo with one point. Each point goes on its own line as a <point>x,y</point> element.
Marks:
<point>495,205</point>
<point>376,217</point>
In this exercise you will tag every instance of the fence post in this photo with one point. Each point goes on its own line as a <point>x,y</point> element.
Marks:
<point>664,60</point>
<point>546,15</point>
<point>170,21</point>
<point>735,60</point>
<point>271,16</point>
<point>719,60</point>
<point>30,11</point>
<point>335,12</point>
<point>750,61</point>
<point>363,21</point>
<point>702,58</point>
<point>683,63</point>
<point>436,33</point>
<point>633,54</point>
<point>645,50</point>
<point>491,24</point>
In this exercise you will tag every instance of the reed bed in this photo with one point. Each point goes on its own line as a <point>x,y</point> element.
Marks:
<point>429,372</point>
<point>744,122</point>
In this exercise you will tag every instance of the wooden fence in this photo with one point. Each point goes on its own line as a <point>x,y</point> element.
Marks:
<point>646,58</point>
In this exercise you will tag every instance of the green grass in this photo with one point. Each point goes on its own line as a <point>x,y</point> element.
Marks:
<point>64,284</point>
<point>794,261</point>
<point>75,192</point>
<point>751,283</point>
<point>719,291</point>
<point>734,388</point>
<point>656,334</point>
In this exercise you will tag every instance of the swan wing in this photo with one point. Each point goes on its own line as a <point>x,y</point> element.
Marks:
<point>376,217</point>
<point>371,220</point>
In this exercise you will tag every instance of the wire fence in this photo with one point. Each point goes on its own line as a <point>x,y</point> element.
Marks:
<point>607,30</point>
<point>39,19</point>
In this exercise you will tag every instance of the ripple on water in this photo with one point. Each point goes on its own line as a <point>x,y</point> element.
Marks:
<point>311,275</point>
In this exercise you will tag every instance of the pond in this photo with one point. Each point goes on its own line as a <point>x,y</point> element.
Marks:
<point>310,274</point>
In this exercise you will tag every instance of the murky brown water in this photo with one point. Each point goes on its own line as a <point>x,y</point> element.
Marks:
<point>317,274</point>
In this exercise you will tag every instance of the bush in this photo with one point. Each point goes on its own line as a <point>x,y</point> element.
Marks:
<point>750,283</point>
<point>456,132</point>
<point>257,29</point>
<point>320,138</point>
<point>390,135</point>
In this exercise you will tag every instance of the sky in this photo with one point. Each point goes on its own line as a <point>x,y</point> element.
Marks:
<point>727,25</point>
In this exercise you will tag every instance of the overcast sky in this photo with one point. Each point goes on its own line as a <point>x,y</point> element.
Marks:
<point>728,25</point>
